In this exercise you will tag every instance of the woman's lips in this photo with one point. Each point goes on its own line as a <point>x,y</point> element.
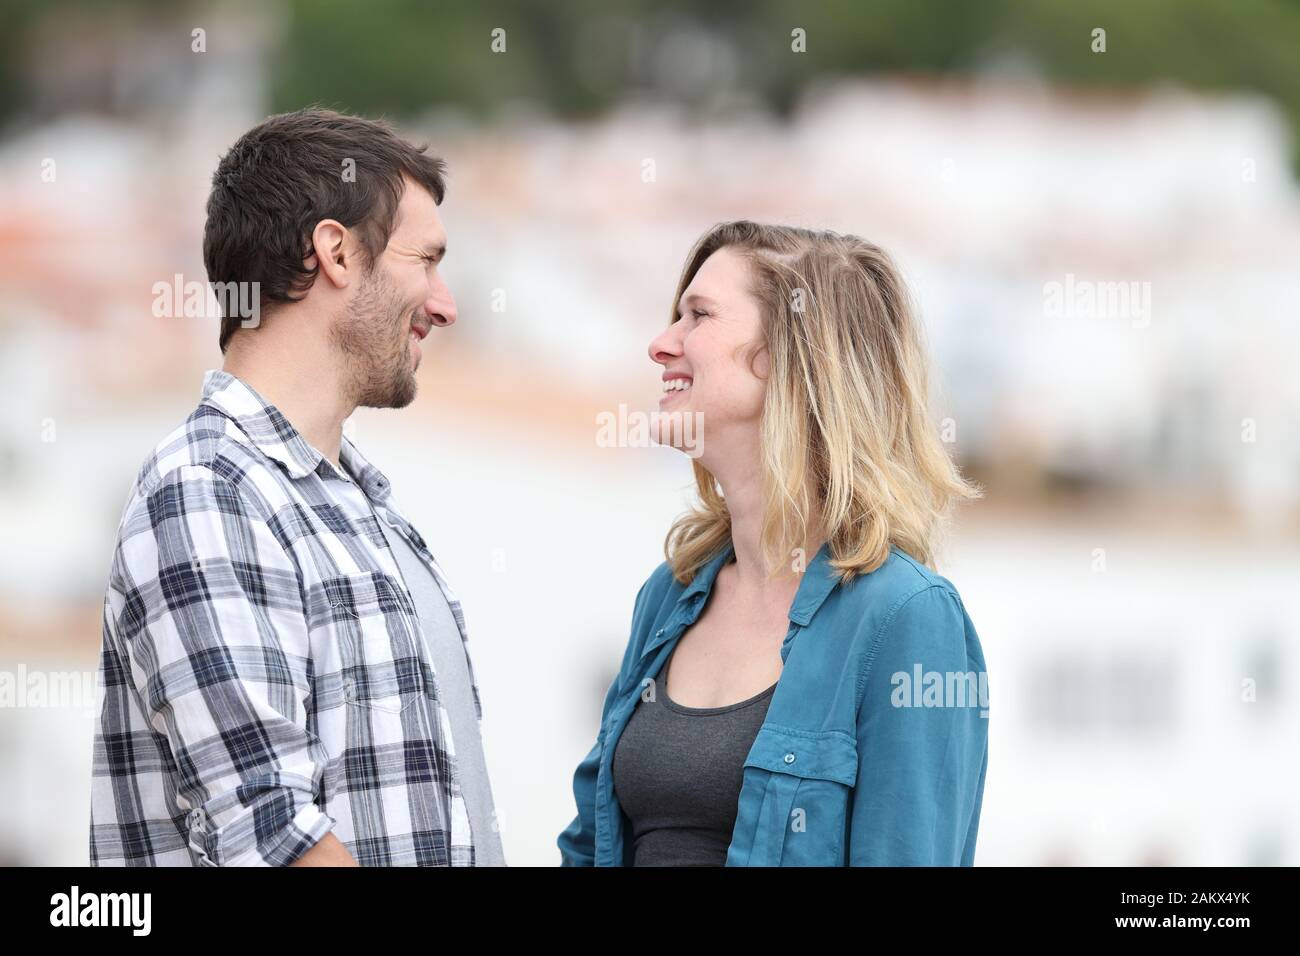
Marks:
<point>669,396</point>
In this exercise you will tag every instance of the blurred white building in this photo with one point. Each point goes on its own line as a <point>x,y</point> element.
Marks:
<point>1120,733</point>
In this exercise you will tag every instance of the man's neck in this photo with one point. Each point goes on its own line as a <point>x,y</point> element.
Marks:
<point>305,393</point>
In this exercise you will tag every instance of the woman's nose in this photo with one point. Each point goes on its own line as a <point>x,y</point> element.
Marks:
<point>665,346</point>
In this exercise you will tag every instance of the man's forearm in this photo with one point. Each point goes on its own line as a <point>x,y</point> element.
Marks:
<point>328,851</point>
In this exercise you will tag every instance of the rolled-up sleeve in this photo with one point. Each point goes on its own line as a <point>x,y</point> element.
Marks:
<point>922,750</point>
<point>215,632</point>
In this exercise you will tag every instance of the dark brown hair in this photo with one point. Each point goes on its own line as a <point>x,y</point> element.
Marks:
<point>287,174</point>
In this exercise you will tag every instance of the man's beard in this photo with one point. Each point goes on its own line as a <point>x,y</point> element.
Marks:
<point>373,337</point>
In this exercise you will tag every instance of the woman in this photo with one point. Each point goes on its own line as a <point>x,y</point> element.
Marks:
<point>771,708</point>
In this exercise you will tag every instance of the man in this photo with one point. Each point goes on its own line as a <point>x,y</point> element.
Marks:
<point>284,676</point>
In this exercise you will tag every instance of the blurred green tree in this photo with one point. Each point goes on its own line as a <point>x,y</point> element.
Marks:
<point>579,58</point>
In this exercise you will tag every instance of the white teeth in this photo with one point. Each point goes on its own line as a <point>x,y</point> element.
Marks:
<point>677,384</point>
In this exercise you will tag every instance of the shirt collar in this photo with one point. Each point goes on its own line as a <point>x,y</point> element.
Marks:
<point>372,481</point>
<point>819,579</point>
<point>266,427</point>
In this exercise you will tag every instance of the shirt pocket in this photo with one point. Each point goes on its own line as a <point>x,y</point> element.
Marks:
<point>801,784</point>
<point>363,646</point>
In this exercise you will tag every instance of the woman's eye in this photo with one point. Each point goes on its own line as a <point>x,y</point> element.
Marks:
<point>699,313</point>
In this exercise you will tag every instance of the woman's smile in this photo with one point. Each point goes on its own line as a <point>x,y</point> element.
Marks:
<point>675,385</point>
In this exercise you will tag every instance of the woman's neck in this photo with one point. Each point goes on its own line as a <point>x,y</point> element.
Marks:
<point>744,497</point>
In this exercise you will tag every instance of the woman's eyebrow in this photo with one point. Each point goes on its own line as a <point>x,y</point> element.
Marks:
<point>696,297</point>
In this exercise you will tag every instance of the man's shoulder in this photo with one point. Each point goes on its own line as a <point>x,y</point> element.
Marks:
<point>206,444</point>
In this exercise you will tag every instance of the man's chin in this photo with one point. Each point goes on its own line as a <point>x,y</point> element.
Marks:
<point>400,394</point>
<point>404,394</point>
<point>402,397</point>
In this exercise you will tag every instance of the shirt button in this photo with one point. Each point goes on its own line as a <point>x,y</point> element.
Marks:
<point>789,758</point>
<point>349,689</point>
<point>660,633</point>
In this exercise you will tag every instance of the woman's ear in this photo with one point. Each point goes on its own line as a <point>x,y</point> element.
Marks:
<point>757,358</point>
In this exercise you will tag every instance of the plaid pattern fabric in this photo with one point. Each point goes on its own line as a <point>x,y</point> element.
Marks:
<point>263,676</point>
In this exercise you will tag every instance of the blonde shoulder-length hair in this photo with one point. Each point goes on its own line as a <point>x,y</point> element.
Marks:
<point>849,453</point>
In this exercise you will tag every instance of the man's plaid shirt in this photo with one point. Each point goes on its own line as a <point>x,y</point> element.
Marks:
<point>263,676</point>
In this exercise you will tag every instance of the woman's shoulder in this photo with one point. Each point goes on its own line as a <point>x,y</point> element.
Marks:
<point>657,593</point>
<point>903,597</point>
<point>660,590</point>
<point>660,583</point>
<point>900,578</point>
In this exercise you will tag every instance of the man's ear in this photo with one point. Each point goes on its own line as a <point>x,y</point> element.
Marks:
<point>334,249</point>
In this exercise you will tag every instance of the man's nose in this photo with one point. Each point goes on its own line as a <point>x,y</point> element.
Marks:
<point>441,305</point>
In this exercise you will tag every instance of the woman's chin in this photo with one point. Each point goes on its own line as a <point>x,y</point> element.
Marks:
<point>681,429</point>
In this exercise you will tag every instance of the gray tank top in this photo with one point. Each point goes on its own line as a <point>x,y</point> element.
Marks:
<point>678,772</point>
